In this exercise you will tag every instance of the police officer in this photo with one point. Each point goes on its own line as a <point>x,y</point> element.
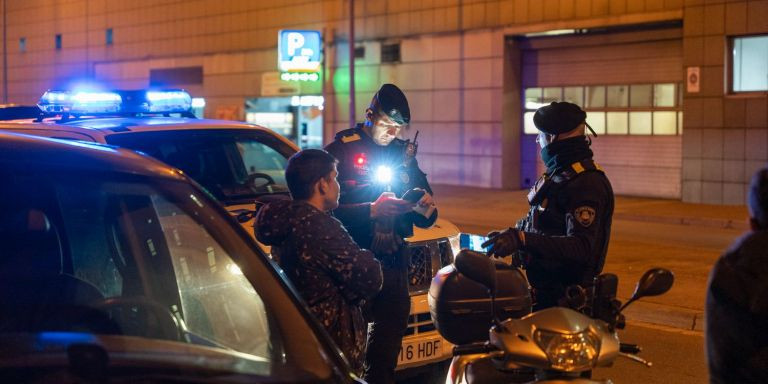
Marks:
<point>376,170</point>
<point>564,238</point>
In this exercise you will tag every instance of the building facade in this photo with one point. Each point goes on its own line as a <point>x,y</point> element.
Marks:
<point>673,87</point>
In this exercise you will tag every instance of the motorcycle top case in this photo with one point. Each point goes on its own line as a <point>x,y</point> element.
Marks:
<point>461,308</point>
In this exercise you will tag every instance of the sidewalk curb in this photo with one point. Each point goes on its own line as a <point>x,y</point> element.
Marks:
<point>670,316</point>
<point>692,221</point>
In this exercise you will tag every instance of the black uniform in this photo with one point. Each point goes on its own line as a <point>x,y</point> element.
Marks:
<point>569,223</point>
<point>359,157</point>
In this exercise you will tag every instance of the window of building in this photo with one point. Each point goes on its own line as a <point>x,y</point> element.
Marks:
<point>58,41</point>
<point>23,44</point>
<point>390,53</point>
<point>360,52</point>
<point>749,71</point>
<point>623,109</point>
<point>108,36</point>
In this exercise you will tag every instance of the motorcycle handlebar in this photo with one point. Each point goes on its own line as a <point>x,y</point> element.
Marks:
<point>474,348</point>
<point>629,348</point>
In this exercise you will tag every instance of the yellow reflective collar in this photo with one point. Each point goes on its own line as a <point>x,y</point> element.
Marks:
<point>350,138</point>
<point>577,167</point>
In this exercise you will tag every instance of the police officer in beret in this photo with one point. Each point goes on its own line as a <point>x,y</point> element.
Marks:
<point>383,195</point>
<point>564,238</point>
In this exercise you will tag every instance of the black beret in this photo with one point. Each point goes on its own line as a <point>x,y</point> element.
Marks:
<point>392,102</point>
<point>558,117</point>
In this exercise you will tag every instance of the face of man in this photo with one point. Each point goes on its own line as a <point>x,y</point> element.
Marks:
<point>384,130</point>
<point>331,190</point>
<point>544,139</point>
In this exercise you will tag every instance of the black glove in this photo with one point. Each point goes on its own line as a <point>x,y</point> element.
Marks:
<point>502,243</point>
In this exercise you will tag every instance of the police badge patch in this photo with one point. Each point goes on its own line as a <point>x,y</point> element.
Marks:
<point>404,177</point>
<point>585,215</point>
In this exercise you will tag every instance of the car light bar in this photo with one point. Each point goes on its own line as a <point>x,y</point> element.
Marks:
<point>169,101</point>
<point>80,102</point>
<point>116,102</point>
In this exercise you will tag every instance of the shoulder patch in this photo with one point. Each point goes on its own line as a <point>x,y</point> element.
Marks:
<point>350,138</point>
<point>585,215</point>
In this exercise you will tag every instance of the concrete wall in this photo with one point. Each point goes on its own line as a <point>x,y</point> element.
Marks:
<point>453,66</point>
<point>726,136</point>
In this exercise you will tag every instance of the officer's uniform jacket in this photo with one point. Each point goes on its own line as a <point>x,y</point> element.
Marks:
<point>567,229</point>
<point>330,271</point>
<point>359,157</point>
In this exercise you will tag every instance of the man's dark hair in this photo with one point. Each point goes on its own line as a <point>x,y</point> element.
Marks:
<point>758,198</point>
<point>306,168</point>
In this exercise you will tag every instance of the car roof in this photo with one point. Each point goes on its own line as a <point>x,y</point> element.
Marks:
<point>35,152</point>
<point>100,127</point>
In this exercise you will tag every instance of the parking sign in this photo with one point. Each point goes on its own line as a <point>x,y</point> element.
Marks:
<point>299,51</point>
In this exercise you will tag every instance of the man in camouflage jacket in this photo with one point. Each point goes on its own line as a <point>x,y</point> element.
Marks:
<point>331,272</point>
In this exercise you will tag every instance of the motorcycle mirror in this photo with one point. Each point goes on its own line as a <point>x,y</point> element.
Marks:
<point>478,267</point>
<point>654,282</point>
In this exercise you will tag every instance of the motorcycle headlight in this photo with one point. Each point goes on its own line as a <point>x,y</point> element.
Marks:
<point>569,352</point>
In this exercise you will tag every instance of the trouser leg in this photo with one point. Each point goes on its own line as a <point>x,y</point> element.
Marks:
<point>390,320</point>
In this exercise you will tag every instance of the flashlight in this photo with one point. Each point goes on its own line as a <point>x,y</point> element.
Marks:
<point>384,174</point>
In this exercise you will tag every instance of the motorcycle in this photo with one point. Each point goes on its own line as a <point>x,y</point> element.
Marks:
<point>554,345</point>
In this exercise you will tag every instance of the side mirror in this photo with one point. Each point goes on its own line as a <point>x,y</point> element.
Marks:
<point>654,282</point>
<point>478,267</point>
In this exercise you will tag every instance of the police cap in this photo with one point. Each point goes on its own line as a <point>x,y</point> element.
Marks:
<point>390,100</point>
<point>558,117</point>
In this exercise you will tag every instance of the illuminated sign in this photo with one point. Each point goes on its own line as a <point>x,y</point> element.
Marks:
<point>299,51</point>
<point>296,76</point>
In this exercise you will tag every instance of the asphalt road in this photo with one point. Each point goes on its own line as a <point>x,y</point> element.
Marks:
<point>677,357</point>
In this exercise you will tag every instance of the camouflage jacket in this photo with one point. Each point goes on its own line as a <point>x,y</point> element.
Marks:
<point>331,272</point>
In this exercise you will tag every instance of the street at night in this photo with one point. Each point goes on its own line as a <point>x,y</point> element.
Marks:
<point>384,191</point>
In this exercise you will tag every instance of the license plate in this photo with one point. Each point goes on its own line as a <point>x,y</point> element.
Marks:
<point>420,350</point>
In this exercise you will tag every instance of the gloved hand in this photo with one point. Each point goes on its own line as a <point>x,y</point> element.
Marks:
<point>503,243</point>
<point>387,205</point>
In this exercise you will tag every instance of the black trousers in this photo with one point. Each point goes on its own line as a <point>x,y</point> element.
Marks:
<point>389,318</point>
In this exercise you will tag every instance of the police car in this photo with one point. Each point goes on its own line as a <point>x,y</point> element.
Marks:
<point>115,267</point>
<point>237,163</point>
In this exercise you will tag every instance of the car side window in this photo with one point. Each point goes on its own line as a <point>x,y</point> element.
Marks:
<point>134,244</point>
<point>217,300</point>
<point>259,157</point>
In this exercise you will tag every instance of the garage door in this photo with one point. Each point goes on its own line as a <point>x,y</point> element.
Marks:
<point>630,85</point>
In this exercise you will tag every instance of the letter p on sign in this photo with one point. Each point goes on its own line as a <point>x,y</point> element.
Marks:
<point>295,41</point>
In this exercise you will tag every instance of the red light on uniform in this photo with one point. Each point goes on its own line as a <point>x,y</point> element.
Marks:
<point>360,159</point>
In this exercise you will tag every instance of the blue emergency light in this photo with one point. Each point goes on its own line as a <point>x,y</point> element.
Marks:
<point>169,101</point>
<point>54,102</point>
<point>115,102</point>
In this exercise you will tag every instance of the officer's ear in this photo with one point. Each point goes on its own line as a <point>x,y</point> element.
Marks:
<point>369,115</point>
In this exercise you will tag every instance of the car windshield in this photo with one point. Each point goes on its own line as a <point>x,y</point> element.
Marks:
<point>144,261</point>
<point>235,165</point>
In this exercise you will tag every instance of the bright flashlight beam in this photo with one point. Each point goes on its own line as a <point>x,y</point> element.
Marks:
<point>383,174</point>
